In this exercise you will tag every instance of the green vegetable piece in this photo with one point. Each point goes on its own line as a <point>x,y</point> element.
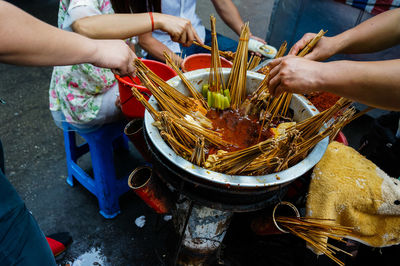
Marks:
<point>219,101</point>
<point>226,103</point>
<point>214,100</point>
<point>209,98</point>
<point>227,94</point>
<point>205,90</point>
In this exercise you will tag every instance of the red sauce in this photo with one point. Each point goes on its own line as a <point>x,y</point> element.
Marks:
<point>322,100</point>
<point>242,131</point>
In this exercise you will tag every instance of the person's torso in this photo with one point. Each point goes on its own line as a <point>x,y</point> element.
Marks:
<point>77,90</point>
<point>184,9</point>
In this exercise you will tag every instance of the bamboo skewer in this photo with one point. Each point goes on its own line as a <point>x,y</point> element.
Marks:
<point>226,54</point>
<point>253,62</point>
<point>176,145</point>
<point>312,43</point>
<point>198,156</point>
<point>155,114</point>
<point>215,81</point>
<point>314,231</point>
<point>237,78</point>
<point>168,98</point>
<point>217,95</point>
<point>276,102</point>
<point>195,94</point>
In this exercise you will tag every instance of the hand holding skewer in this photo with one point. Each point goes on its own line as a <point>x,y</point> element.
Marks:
<point>294,74</point>
<point>180,29</point>
<point>226,54</point>
<point>324,48</point>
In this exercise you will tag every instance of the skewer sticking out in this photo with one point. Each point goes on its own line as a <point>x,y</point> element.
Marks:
<point>195,94</point>
<point>280,104</point>
<point>198,156</point>
<point>314,231</point>
<point>276,105</point>
<point>153,112</point>
<point>282,50</point>
<point>168,98</point>
<point>229,55</point>
<point>312,43</point>
<point>187,131</point>
<point>253,62</point>
<point>238,76</point>
<point>312,125</point>
<point>178,148</point>
<point>215,91</point>
<point>235,162</point>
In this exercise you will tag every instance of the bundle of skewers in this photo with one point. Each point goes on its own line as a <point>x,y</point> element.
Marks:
<point>314,231</point>
<point>186,125</point>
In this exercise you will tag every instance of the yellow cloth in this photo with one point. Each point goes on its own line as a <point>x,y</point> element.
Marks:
<point>349,188</point>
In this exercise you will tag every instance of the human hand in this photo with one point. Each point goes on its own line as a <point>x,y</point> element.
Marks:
<point>294,74</point>
<point>252,49</point>
<point>114,54</point>
<point>325,47</point>
<point>257,38</point>
<point>180,29</point>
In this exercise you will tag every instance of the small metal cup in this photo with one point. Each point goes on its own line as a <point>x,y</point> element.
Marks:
<point>151,189</point>
<point>134,131</point>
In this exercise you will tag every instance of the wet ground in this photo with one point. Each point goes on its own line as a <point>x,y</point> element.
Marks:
<point>36,166</point>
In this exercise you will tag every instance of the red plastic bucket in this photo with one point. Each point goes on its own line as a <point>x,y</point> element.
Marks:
<point>199,61</point>
<point>131,107</point>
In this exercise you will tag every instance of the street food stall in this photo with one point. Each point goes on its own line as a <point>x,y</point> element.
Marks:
<point>220,144</point>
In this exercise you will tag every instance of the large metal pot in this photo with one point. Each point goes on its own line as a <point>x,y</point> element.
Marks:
<point>228,185</point>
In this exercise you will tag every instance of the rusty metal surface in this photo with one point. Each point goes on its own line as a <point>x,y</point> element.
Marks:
<point>151,190</point>
<point>302,109</point>
<point>203,231</point>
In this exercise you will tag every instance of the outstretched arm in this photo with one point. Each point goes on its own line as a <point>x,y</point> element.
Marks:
<point>30,41</point>
<point>372,83</point>
<point>375,34</point>
<point>229,13</point>
<point>123,26</point>
<point>156,48</point>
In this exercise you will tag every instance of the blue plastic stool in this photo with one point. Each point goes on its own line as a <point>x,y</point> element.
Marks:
<point>101,144</point>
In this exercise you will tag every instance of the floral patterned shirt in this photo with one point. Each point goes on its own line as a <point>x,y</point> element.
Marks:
<point>77,90</point>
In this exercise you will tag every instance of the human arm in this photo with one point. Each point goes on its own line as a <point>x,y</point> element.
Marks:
<point>32,42</point>
<point>156,48</point>
<point>123,26</point>
<point>371,83</point>
<point>375,34</point>
<point>229,13</point>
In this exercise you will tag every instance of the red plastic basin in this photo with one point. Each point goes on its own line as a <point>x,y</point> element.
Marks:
<point>132,108</point>
<point>199,61</point>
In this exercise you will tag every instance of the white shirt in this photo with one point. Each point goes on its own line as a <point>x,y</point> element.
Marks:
<point>184,9</point>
